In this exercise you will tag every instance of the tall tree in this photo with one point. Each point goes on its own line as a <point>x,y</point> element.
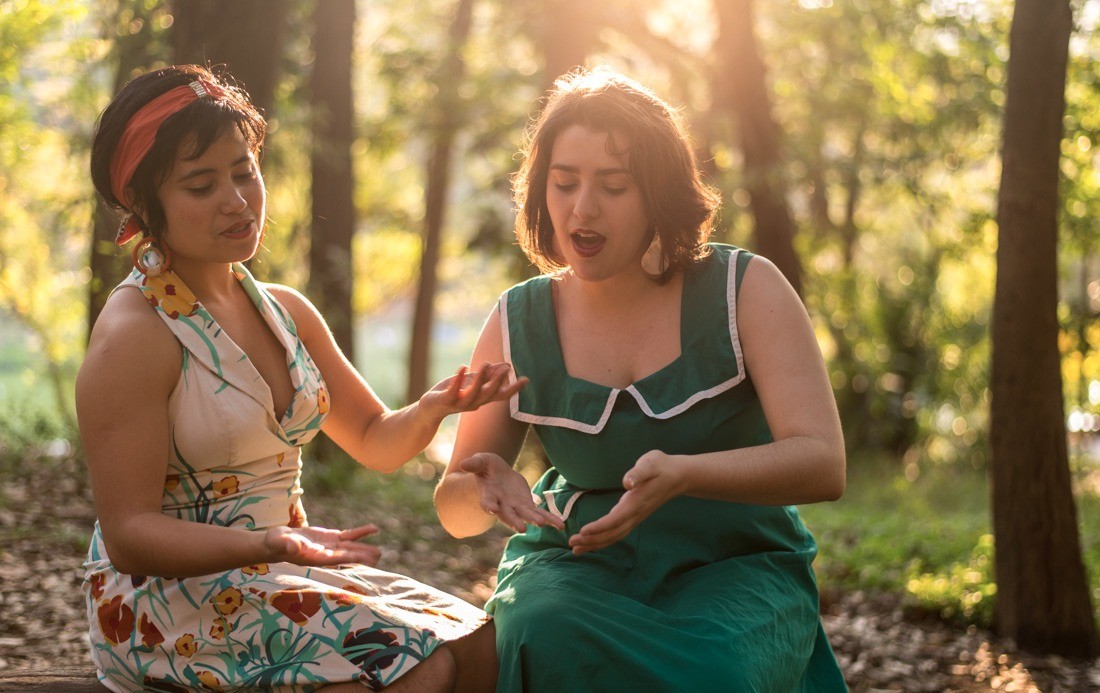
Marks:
<point>446,119</point>
<point>245,35</point>
<point>740,89</point>
<point>330,260</point>
<point>1042,593</point>
<point>135,46</point>
<point>568,30</point>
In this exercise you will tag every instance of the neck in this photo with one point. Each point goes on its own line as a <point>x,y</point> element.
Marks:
<point>614,293</point>
<point>210,282</point>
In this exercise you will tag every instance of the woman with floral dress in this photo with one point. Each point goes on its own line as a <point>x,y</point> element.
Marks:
<point>199,388</point>
<point>684,406</point>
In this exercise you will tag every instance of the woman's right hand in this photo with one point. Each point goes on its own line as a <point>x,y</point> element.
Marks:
<point>317,546</point>
<point>503,493</point>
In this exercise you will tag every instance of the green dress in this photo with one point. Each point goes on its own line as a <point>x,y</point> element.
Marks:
<point>703,595</point>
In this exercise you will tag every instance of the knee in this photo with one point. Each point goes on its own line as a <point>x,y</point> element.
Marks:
<point>540,621</point>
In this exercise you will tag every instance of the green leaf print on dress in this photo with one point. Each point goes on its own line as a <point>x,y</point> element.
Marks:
<point>232,462</point>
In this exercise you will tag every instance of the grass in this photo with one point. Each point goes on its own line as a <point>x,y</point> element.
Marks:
<point>928,539</point>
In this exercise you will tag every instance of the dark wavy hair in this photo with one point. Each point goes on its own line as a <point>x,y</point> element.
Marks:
<point>657,152</point>
<point>198,124</point>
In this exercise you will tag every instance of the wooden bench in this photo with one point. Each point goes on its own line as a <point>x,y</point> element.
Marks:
<point>81,679</point>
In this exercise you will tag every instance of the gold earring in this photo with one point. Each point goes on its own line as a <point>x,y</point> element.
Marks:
<point>150,258</point>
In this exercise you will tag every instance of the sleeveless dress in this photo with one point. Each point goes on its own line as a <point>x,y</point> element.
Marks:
<point>703,595</point>
<point>232,463</point>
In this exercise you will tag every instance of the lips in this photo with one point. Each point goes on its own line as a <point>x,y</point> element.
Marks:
<point>240,230</point>
<point>587,243</point>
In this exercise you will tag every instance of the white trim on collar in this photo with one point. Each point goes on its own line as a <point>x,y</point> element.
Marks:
<point>735,340</point>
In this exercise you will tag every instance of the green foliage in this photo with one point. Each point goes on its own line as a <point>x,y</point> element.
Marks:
<point>966,592</point>
<point>44,199</point>
<point>30,431</point>
<point>927,537</point>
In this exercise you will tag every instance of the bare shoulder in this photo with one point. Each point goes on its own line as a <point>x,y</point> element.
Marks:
<point>766,295</point>
<point>305,315</point>
<point>490,344</point>
<point>769,311</point>
<point>130,342</point>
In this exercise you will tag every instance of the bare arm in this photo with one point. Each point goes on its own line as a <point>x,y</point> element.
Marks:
<point>132,365</point>
<point>479,484</point>
<point>806,461</point>
<point>380,438</point>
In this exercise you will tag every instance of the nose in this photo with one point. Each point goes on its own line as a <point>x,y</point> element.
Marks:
<point>586,205</point>
<point>234,200</point>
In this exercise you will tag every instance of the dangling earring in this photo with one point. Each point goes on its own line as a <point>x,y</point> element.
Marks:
<point>150,258</point>
<point>654,259</point>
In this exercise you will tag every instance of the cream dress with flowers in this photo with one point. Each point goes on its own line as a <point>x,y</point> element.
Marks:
<point>233,463</point>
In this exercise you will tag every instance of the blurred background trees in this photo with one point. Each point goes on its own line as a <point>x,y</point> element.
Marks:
<point>856,143</point>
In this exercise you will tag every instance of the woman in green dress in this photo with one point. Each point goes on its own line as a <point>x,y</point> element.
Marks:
<point>683,403</point>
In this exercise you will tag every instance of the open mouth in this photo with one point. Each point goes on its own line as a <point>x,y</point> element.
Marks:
<point>241,230</point>
<point>587,243</point>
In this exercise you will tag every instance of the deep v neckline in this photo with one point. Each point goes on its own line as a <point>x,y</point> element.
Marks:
<point>171,295</point>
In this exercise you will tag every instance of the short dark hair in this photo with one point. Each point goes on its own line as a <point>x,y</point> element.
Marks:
<point>679,205</point>
<point>200,122</point>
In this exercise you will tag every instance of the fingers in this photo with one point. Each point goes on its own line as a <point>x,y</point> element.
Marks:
<point>478,464</point>
<point>457,381</point>
<point>612,527</point>
<point>358,532</point>
<point>487,386</point>
<point>512,389</point>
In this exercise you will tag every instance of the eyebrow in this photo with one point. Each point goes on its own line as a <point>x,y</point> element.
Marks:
<point>599,172</point>
<point>203,171</point>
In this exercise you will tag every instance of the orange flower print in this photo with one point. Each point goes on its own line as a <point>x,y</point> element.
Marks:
<point>220,628</point>
<point>255,569</point>
<point>209,681</point>
<point>444,614</point>
<point>171,482</point>
<point>297,516</point>
<point>186,645</point>
<point>350,595</point>
<point>228,600</point>
<point>322,401</point>
<point>167,293</point>
<point>96,581</point>
<point>150,634</point>
<point>116,620</point>
<point>297,605</point>
<point>226,485</point>
<point>279,458</point>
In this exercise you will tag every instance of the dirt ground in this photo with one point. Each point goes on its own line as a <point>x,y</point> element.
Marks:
<point>46,514</point>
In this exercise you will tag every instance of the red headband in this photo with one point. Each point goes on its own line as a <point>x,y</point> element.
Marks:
<point>138,137</point>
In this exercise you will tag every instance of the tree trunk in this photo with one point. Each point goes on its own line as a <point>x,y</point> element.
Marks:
<point>740,88</point>
<point>448,118</point>
<point>568,31</point>
<point>1042,595</point>
<point>247,36</point>
<point>331,271</point>
<point>134,51</point>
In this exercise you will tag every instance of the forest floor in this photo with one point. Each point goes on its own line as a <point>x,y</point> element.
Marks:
<point>46,515</point>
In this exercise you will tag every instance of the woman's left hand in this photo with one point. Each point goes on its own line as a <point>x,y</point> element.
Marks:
<point>654,479</point>
<point>468,390</point>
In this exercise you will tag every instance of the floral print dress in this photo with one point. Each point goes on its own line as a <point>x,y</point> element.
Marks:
<point>233,463</point>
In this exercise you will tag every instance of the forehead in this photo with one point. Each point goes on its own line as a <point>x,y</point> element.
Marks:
<point>231,143</point>
<point>579,146</point>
